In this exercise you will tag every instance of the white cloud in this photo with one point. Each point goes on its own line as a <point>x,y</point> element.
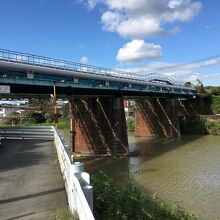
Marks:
<point>193,65</point>
<point>84,60</point>
<point>92,4</point>
<point>144,18</point>
<point>138,50</point>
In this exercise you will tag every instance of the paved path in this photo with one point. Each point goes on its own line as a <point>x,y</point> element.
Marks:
<point>31,185</point>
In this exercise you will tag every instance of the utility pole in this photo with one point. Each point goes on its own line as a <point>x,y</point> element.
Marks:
<point>55,105</point>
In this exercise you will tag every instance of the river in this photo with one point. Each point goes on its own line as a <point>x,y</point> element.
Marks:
<point>184,170</point>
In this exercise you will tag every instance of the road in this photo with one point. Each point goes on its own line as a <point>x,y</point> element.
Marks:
<point>31,186</point>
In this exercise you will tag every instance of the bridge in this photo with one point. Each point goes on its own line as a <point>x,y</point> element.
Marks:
<point>96,98</point>
<point>41,73</point>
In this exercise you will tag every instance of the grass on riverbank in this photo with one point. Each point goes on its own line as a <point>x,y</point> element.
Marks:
<point>62,123</point>
<point>115,202</point>
<point>62,214</point>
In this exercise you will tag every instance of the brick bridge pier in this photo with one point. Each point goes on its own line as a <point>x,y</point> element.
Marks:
<point>98,125</point>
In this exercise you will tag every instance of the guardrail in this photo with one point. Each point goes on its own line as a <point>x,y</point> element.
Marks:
<point>28,132</point>
<point>77,182</point>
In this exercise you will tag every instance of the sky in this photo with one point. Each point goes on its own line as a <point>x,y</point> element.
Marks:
<point>178,38</point>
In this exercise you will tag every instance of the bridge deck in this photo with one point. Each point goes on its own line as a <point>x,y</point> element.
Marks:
<point>31,186</point>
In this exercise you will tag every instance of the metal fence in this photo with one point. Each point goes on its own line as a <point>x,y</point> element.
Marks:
<point>29,132</point>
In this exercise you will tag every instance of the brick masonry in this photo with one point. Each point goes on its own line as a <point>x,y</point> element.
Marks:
<point>99,126</point>
<point>156,117</point>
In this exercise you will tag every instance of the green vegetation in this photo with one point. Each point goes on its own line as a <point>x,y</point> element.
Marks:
<point>63,123</point>
<point>213,127</point>
<point>37,118</point>
<point>213,90</point>
<point>62,214</point>
<point>215,106</point>
<point>193,125</point>
<point>211,93</point>
<point>199,125</point>
<point>130,125</point>
<point>115,202</point>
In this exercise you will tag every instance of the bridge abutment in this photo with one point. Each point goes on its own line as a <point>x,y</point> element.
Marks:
<point>156,118</point>
<point>98,126</point>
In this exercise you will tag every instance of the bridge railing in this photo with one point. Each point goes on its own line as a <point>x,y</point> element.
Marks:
<point>24,58</point>
<point>77,182</point>
<point>27,132</point>
<point>158,76</point>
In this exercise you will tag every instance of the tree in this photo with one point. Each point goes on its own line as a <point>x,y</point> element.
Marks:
<point>199,87</point>
<point>188,84</point>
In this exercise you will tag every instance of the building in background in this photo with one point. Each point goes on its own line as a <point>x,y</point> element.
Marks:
<point>129,106</point>
<point>5,111</point>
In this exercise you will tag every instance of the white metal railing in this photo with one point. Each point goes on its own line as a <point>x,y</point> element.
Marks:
<point>27,132</point>
<point>24,58</point>
<point>77,182</point>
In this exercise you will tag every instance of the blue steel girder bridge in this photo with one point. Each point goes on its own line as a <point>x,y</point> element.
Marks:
<point>31,74</point>
<point>96,95</point>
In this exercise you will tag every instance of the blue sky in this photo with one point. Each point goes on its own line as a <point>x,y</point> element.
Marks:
<point>133,35</point>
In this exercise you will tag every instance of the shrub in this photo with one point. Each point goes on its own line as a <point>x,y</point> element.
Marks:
<point>193,125</point>
<point>37,117</point>
<point>130,125</point>
<point>213,127</point>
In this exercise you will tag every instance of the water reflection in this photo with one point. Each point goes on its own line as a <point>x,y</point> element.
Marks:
<point>134,166</point>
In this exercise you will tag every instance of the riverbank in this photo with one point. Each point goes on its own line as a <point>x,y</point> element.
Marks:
<point>199,125</point>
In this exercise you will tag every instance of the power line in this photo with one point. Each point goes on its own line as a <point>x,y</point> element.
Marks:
<point>172,66</point>
<point>193,31</point>
<point>187,26</point>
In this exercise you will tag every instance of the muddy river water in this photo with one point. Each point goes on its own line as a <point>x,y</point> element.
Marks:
<point>185,171</point>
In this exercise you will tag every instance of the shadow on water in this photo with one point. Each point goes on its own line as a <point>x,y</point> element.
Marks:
<point>15,154</point>
<point>125,169</point>
<point>153,147</point>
